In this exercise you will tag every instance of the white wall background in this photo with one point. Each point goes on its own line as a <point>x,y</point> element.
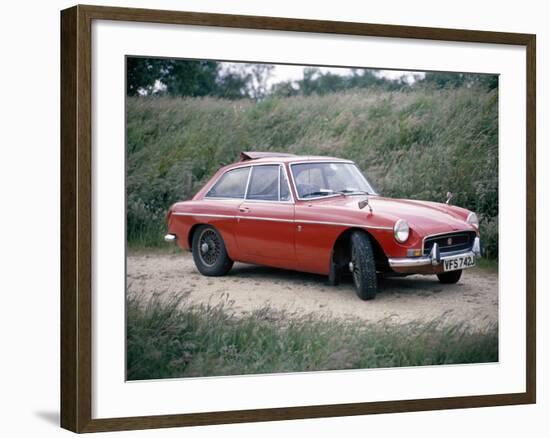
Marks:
<point>29,220</point>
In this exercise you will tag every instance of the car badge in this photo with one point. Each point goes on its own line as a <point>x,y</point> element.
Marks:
<point>449,241</point>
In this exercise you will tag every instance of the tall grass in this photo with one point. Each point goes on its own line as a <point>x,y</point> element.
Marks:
<point>176,339</point>
<point>418,143</point>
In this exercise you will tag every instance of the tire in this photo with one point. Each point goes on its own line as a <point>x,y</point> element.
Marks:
<point>335,273</point>
<point>209,252</point>
<point>451,277</point>
<point>363,266</point>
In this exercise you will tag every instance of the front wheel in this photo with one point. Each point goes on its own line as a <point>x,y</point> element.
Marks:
<point>209,252</point>
<point>451,277</point>
<point>362,266</point>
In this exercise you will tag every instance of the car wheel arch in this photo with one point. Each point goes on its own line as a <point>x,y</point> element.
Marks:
<point>342,245</point>
<point>192,231</point>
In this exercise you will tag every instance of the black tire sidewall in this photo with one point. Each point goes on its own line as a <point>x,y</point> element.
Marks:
<point>451,277</point>
<point>221,266</point>
<point>368,281</point>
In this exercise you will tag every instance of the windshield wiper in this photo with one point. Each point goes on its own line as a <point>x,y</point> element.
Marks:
<point>344,192</point>
<point>350,192</point>
<point>325,193</point>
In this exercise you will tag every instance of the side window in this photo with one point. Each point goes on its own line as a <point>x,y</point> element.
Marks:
<point>284,190</point>
<point>264,183</point>
<point>232,184</point>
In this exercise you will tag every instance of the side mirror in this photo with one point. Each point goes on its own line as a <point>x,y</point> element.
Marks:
<point>364,203</point>
<point>449,197</point>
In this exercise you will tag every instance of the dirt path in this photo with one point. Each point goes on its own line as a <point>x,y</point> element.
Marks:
<point>473,300</point>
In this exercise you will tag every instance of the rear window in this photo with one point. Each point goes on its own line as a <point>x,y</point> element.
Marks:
<point>232,184</point>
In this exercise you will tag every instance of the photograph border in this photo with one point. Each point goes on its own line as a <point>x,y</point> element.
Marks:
<point>76,217</point>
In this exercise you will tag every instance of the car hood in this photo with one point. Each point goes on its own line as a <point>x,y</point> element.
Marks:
<point>423,216</point>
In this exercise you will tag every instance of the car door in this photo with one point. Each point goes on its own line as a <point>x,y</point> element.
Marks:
<point>265,219</point>
<point>220,205</point>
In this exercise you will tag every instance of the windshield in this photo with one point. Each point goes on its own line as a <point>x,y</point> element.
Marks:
<point>315,180</point>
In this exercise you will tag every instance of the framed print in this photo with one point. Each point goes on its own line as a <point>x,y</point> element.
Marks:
<point>267,218</point>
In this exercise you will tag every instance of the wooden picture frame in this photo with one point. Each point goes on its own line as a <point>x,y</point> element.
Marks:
<point>76,218</point>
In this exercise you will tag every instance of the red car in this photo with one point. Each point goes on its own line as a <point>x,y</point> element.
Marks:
<point>319,215</point>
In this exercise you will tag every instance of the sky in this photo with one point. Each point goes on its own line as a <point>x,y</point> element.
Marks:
<point>282,73</point>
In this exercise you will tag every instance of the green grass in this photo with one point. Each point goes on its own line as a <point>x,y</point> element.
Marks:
<point>176,339</point>
<point>417,144</point>
<point>486,264</point>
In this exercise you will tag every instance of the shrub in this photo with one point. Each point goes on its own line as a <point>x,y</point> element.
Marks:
<point>416,143</point>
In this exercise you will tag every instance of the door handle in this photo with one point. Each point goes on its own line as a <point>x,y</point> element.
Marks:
<point>244,209</point>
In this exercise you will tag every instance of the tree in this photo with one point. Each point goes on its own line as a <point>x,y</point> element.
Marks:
<point>285,89</point>
<point>189,78</point>
<point>142,74</point>
<point>257,83</point>
<point>231,86</point>
<point>455,80</point>
<point>314,81</point>
<point>179,77</point>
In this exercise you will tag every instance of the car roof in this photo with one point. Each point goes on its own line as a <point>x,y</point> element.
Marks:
<point>274,157</point>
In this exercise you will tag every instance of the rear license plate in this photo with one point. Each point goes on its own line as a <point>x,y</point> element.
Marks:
<point>459,262</point>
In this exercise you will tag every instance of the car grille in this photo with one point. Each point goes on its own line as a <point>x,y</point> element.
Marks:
<point>460,241</point>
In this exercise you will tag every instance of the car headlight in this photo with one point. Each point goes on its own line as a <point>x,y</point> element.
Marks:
<point>473,220</point>
<point>401,230</point>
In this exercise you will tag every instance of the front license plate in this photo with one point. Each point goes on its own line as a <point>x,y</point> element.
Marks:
<point>459,262</point>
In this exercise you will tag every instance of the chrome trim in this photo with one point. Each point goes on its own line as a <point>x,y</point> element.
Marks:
<point>470,223</point>
<point>288,184</point>
<point>247,182</point>
<point>395,225</point>
<point>270,219</point>
<point>250,165</point>
<point>219,177</point>
<point>435,255</point>
<point>476,248</point>
<point>413,262</point>
<point>282,220</point>
<point>170,238</point>
<point>219,198</point>
<point>472,230</point>
<point>322,161</point>
<point>278,184</point>
<point>344,225</point>
<point>266,201</point>
<point>448,248</point>
<point>409,262</point>
<point>204,215</point>
<point>328,160</point>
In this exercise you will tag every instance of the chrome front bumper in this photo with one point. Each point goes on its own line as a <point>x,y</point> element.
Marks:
<point>432,263</point>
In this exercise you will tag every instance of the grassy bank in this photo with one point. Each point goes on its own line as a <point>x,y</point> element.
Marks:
<point>176,339</point>
<point>414,143</point>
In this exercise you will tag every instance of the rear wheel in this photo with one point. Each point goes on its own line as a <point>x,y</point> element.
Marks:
<point>209,252</point>
<point>450,277</point>
<point>362,266</point>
